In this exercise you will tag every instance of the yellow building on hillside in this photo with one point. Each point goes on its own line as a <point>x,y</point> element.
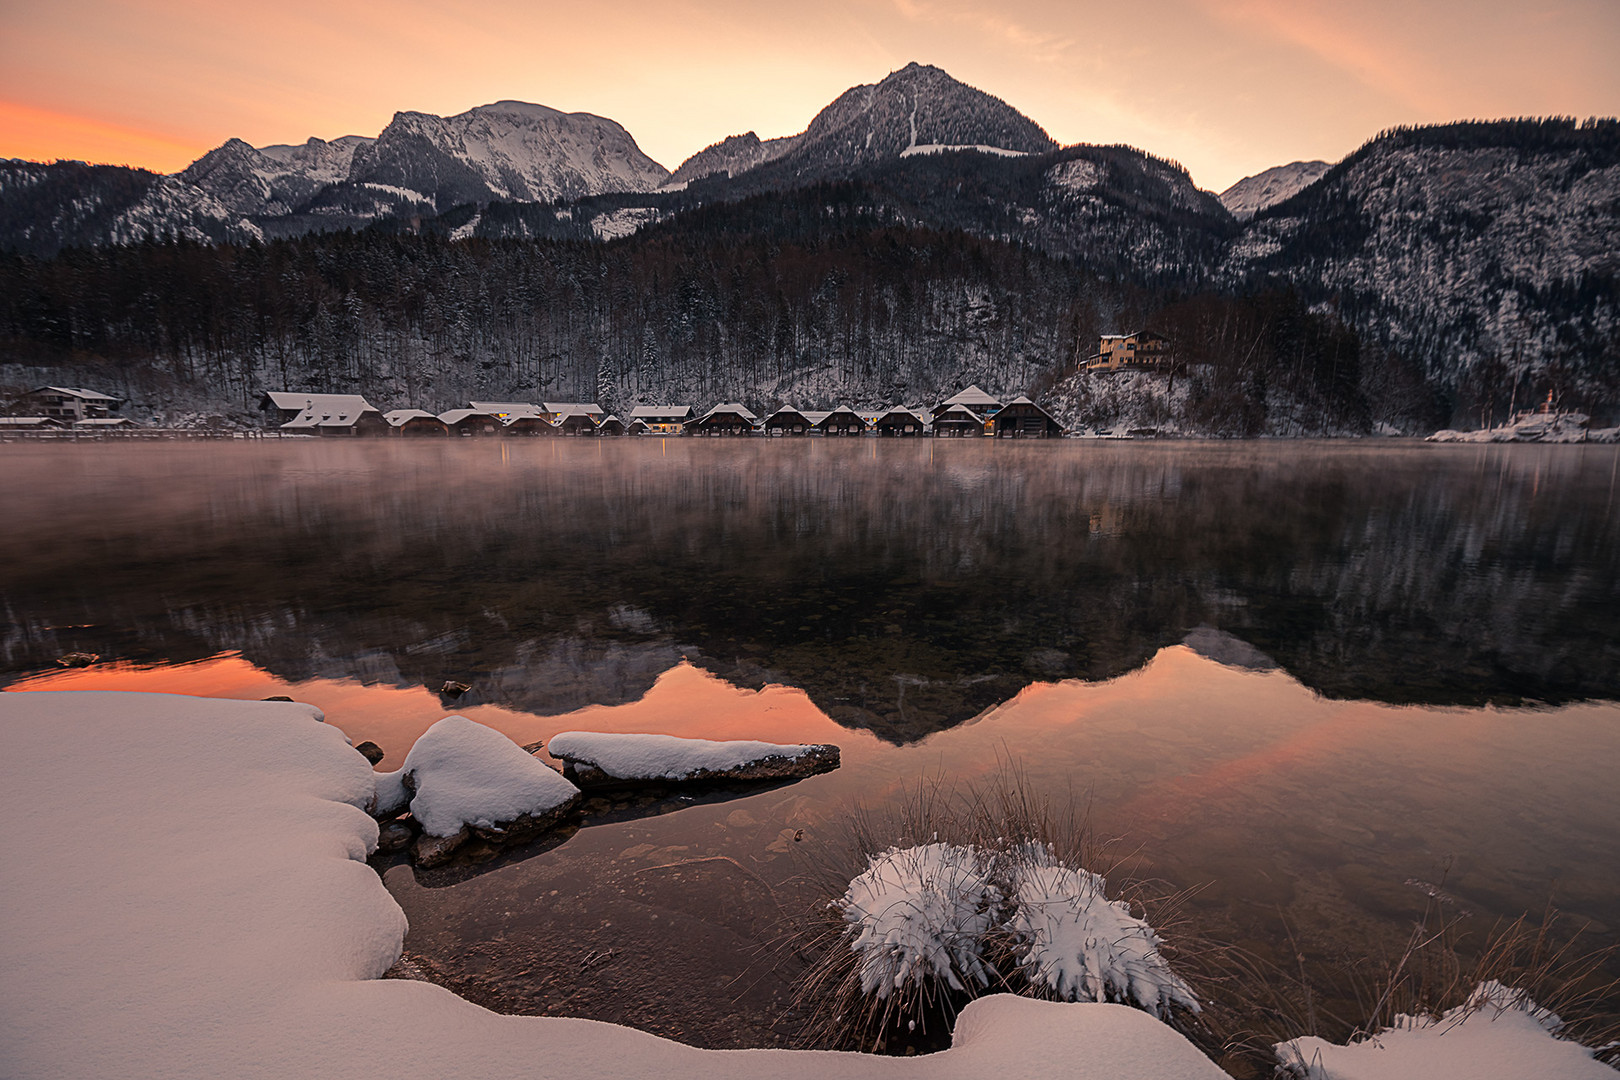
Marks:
<point>1141,351</point>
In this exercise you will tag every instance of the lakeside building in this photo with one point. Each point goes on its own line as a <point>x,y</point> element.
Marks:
<point>1141,351</point>
<point>415,422</point>
<point>471,422</point>
<point>660,419</point>
<point>610,425</point>
<point>69,404</point>
<point>1021,418</point>
<point>786,421</point>
<point>325,414</point>
<point>957,422</point>
<point>575,421</point>
<point>980,403</point>
<point>729,418</point>
<point>505,410</point>
<point>900,422</point>
<point>841,421</point>
<point>556,410</point>
<point>530,424</point>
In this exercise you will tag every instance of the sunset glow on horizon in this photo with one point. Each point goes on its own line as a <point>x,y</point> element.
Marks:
<point>1226,87</point>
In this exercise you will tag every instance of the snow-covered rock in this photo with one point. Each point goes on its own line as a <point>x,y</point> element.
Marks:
<point>169,948</point>
<point>1499,1034</point>
<point>1254,193</point>
<point>1543,428</point>
<point>461,778</point>
<point>598,759</point>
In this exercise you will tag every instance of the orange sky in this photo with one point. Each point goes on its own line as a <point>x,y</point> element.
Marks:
<point>1227,87</point>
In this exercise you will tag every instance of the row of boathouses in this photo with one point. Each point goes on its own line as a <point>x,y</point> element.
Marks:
<point>969,414</point>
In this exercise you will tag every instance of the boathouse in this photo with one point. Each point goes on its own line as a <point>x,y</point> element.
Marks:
<point>972,398</point>
<point>471,422</point>
<point>900,422</point>
<point>415,422</point>
<point>842,421</point>
<point>556,410</point>
<point>531,424</point>
<point>786,421</point>
<point>730,418</point>
<point>660,419</point>
<point>957,422</point>
<point>30,423</point>
<point>572,421</point>
<point>610,425</point>
<point>1021,418</point>
<point>505,410</point>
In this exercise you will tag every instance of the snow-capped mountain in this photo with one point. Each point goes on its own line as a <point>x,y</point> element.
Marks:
<point>508,151</point>
<point>1254,193</point>
<point>274,180</point>
<point>732,155</point>
<point>915,107</point>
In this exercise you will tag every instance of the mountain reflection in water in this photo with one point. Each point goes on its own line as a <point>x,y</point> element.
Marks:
<point>905,587</point>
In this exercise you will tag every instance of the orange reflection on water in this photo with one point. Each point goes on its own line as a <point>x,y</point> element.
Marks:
<point>685,701</point>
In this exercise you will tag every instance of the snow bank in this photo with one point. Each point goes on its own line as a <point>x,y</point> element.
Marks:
<point>185,899</point>
<point>463,774</point>
<point>666,757</point>
<point>1538,427</point>
<point>1499,1035</point>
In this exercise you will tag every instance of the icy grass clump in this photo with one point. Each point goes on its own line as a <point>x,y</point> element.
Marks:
<point>460,773</point>
<point>936,912</point>
<point>1498,1034</point>
<point>1082,946</point>
<point>922,913</point>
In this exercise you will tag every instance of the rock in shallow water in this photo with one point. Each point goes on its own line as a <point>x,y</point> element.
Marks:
<point>596,760</point>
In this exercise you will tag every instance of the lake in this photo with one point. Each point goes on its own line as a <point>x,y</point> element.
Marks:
<point>1294,677</point>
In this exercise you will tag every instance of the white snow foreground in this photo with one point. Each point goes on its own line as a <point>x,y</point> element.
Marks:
<point>669,757</point>
<point>928,912</point>
<point>462,774</point>
<point>1499,1035</point>
<point>185,897</point>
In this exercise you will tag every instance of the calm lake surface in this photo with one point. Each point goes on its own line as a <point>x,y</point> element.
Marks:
<point>1294,676</point>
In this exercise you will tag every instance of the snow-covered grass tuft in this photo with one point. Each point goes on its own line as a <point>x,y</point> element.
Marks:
<point>978,890</point>
<point>923,913</point>
<point>1079,945</point>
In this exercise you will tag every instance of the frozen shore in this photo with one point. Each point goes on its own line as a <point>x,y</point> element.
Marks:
<point>186,895</point>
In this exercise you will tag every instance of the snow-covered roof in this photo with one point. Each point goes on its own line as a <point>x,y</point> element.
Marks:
<point>971,397</point>
<point>398,416</point>
<point>325,403</point>
<point>505,408</point>
<point>730,407</point>
<point>841,412</point>
<point>786,410</point>
<point>587,407</point>
<point>105,421</point>
<point>958,413</point>
<point>29,421</point>
<point>904,412</point>
<point>575,412</point>
<point>74,391</point>
<point>673,413</point>
<point>456,416</point>
<point>816,416</point>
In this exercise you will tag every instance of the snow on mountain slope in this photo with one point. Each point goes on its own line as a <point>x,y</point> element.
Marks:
<point>732,155</point>
<point>1254,193</point>
<point>916,106</point>
<point>510,150</point>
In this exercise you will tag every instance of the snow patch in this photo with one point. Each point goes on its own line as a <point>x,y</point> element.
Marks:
<point>617,224</point>
<point>941,148</point>
<point>1500,1034</point>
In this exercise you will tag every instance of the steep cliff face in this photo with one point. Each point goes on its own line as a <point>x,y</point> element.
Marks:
<point>732,156</point>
